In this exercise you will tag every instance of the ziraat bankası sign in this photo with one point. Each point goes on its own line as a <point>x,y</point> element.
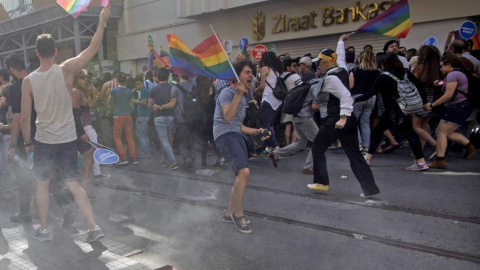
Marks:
<point>329,15</point>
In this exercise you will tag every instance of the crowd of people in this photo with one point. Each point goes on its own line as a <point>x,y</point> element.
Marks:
<point>363,103</point>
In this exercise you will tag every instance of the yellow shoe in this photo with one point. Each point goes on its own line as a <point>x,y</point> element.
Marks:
<point>318,187</point>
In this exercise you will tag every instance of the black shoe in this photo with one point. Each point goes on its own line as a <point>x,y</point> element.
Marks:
<point>68,219</point>
<point>228,219</point>
<point>21,218</point>
<point>274,159</point>
<point>241,224</point>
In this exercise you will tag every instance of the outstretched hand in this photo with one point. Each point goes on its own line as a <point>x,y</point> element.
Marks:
<point>344,37</point>
<point>105,14</point>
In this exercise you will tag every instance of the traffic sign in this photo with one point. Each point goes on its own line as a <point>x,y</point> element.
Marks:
<point>243,44</point>
<point>431,41</point>
<point>468,30</point>
<point>258,51</point>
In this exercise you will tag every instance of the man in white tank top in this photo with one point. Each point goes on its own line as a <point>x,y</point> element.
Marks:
<point>49,88</point>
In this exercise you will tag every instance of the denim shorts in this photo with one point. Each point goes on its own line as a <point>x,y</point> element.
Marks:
<point>456,114</point>
<point>55,161</point>
<point>234,150</point>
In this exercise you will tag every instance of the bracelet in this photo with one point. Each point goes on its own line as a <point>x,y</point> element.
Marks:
<point>161,107</point>
<point>27,144</point>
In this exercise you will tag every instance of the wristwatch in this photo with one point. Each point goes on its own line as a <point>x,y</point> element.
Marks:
<point>431,105</point>
<point>344,116</point>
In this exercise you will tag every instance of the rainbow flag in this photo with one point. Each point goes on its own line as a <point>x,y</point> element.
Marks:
<point>476,41</point>
<point>151,54</point>
<point>394,22</point>
<point>207,59</point>
<point>155,59</point>
<point>75,7</point>
<point>165,56</point>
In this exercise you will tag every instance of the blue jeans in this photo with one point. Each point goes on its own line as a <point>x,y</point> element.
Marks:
<point>141,132</point>
<point>164,126</point>
<point>363,111</point>
<point>267,114</point>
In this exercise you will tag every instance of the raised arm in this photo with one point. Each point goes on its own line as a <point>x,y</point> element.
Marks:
<point>341,62</point>
<point>73,65</point>
<point>448,40</point>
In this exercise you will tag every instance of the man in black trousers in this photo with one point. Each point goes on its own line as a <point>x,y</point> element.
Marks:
<point>338,122</point>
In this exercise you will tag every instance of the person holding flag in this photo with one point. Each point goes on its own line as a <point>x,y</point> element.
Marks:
<point>230,112</point>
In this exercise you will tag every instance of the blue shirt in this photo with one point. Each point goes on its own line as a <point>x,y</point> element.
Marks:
<point>220,125</point>
<point>122,97</point>
<point>143,110</point>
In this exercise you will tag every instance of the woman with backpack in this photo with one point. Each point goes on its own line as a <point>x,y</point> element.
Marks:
<point>206,93</point>
<point>394,79</point>
<point>457,110</point>
<point>271,70</point>
<point>362,79</point>
<point>427,72</point>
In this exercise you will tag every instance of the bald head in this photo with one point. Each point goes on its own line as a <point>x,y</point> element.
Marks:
<point>457,47</point>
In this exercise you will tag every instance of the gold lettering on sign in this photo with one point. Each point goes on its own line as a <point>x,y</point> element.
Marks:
<point>373,11</point>
<point>359,12</point>
<point>331,15</point>
<point>283,24</point>
<point>258,26</point>
<point>328,18</point>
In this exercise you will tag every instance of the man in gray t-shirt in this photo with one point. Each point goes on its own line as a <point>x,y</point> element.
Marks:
<point>227,129</point>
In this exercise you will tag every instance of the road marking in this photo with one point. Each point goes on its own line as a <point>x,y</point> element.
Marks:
<point>449,173</point>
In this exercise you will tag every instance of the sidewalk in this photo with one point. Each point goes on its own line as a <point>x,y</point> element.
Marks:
<point>67,250</point>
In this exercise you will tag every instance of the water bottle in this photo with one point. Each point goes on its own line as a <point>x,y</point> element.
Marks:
<point>30,161</point>
<point>19,161</point>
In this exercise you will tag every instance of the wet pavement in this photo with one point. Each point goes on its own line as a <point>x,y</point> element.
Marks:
<point>421,220</point>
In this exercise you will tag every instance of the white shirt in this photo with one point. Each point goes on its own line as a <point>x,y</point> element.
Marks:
<point>292,80</point>
<point>268,92</point>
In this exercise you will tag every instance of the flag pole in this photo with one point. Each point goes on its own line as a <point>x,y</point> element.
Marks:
<point>226,56</point>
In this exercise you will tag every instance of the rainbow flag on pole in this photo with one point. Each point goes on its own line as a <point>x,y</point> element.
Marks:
<point>75,7</point>
<point>207,59</point>
<point>394,22</point>
<point>155,59</point>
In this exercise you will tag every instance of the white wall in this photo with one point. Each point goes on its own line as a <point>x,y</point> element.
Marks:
<point>439,29</point>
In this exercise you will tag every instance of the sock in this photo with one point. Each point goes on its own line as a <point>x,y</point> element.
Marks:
<point>439,158</point>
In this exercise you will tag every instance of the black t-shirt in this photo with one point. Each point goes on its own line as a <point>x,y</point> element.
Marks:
<point>161,96</point>
<point>15,100</point>
<point>364,80</point>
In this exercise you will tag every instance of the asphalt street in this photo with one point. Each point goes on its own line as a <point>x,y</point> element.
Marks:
<point>420,220</point>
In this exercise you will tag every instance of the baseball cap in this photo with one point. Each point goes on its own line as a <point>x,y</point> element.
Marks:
<point>305,60</point>
<point>326,54</point>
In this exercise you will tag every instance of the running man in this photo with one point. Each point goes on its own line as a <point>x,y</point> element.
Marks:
<point>49,88</point>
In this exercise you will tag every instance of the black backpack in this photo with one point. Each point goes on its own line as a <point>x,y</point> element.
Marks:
<point>192,108</point>
<point>473,94</point>
<point>295,98</point>
<point>280,91</point>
